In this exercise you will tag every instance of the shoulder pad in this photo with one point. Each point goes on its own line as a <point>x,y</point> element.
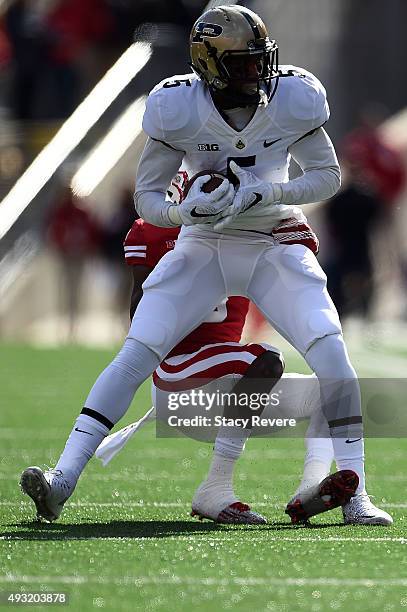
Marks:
<point>304,96</point>
<point>169,107</point>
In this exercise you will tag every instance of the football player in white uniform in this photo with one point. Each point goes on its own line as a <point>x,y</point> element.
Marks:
<point>241,114</point>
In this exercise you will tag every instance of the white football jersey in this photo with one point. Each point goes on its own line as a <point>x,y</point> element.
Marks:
<point>180,112</point>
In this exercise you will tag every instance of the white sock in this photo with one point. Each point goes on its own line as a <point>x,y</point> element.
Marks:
<point>230,441</point>
<point>340,397</point>
<point>221,471</point>
<point>216,492</point>
<point>350,456</point>
<point>81,445</point>
<point>229,445</point>
<point>317,462</point>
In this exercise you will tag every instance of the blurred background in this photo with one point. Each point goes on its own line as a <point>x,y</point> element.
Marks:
<point>73,79</point>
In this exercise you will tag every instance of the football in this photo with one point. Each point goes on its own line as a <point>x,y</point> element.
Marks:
<point>213,183</point>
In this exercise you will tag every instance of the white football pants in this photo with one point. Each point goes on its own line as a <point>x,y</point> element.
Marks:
<point>285,282</point>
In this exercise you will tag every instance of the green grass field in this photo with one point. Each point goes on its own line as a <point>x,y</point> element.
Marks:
<point>127,542</point>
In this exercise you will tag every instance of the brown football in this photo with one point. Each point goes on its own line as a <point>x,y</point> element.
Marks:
<point>210,185</point>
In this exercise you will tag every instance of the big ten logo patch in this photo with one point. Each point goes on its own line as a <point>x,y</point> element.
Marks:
<point>208,147</point>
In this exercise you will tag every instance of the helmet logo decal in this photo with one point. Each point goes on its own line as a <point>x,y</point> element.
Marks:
<point>212,30</point>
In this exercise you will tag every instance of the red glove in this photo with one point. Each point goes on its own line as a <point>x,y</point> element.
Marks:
<point>291,231</point>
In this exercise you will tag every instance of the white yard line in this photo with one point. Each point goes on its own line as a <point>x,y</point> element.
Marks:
<point>130,504</point>
<point>342,539</point>
<point>134,476</point>
<point>209,538</point>
<point>167,504</point>
<point>126,477</point>
<point>154,452</point>
<point>179,580</point>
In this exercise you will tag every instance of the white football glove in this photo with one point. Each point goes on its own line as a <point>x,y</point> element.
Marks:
<point>252,192</point>
<point>200,207</point>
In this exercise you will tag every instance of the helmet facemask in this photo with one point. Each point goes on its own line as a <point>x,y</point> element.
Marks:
<point>245,75</point>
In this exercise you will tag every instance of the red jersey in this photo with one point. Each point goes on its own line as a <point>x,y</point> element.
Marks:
<point>144,245</point>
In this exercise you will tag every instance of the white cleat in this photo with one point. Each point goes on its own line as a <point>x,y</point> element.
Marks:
<point>49,491</point>
<point>236,513</point>
<point>220,505</point>
<point>361,511</point>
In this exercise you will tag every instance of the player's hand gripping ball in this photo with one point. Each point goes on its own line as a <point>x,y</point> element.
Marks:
<point>214,181</point>
<point>207,195</point>
<point>251,192</point>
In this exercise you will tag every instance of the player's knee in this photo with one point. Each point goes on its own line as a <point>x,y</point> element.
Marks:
<point>135,359</point>
<point>329,358</point>
<point>151,329</point>
<point>268,365</point>
<point>320,323</point>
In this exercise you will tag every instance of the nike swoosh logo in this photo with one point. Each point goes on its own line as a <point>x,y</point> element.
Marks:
<point>352,441</point>
<point>256,200</point>
<point>197,214</point>
<point>81,431</point>
<point>268,144</point>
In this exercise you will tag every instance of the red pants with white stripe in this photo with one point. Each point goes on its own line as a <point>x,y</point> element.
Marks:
<point>214,369</point>
<point>211,362</point>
